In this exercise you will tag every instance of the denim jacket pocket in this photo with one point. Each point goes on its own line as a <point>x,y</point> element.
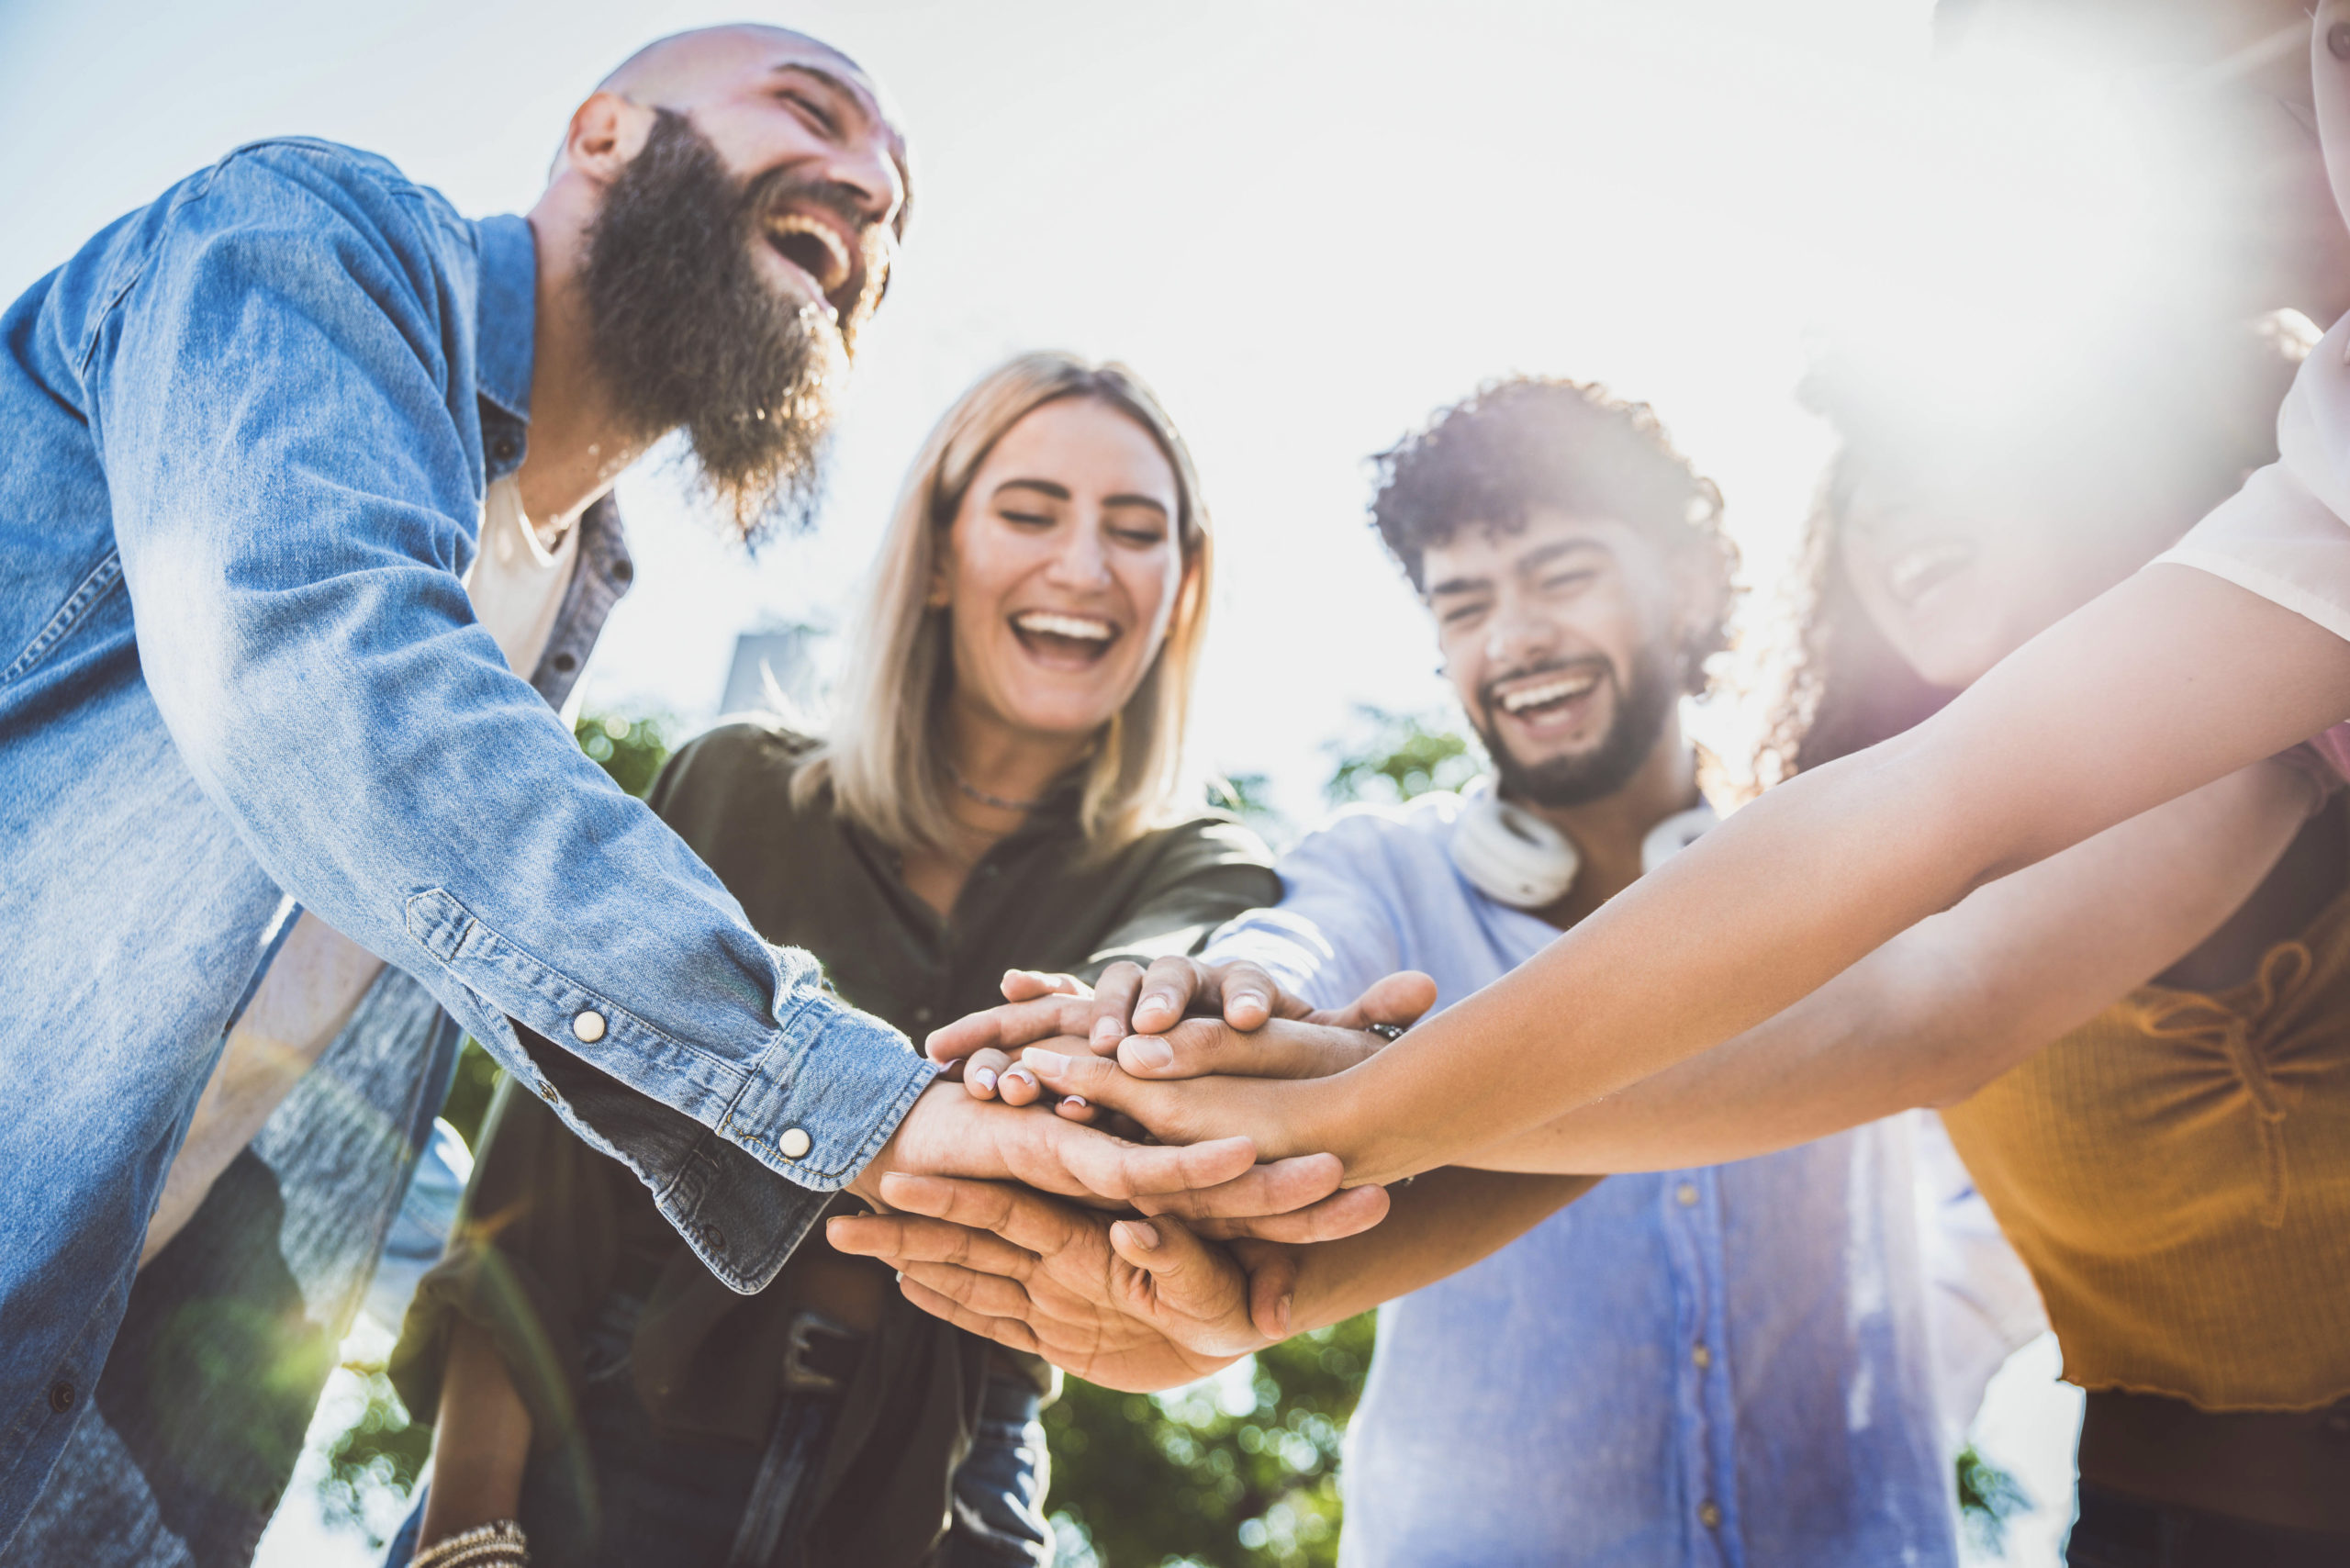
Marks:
<point>102,580</point>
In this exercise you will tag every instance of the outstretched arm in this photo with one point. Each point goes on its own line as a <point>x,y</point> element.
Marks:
<point>1957,1000</point>
<point>2169,682</point>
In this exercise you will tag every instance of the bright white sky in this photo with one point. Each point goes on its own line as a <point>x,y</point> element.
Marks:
<point>1309,225</point>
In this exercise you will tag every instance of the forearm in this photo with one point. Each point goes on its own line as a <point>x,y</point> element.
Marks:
<point>1440,1225</point>
<point>481,1443</point>
<point>2053,746</point>
<point>1955,1001</point>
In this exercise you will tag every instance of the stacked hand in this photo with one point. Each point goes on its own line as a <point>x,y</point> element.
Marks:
<point>1135,1305</point>
<point>949,1133</point>
<point>1143,1303</point>
<point>1127,1048</point>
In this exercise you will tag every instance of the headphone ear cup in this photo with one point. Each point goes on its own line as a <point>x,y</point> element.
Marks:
<point>1511,856</point>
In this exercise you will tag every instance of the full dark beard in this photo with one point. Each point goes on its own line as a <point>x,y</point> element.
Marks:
<point>688,336</point>
<point>1641,708</point>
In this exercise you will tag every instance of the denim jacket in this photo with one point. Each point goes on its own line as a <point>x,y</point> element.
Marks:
<point>249,430</point>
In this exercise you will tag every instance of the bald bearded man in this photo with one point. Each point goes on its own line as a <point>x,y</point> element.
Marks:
<point>307,526</point>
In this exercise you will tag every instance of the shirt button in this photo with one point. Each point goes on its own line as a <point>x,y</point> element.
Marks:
<point>1709,1514</point>
<point>589,1027</point>
<point>1703,1356</point>
<point>713,1237</point>
<point>794,1143</point>
<point>62,1395</point>
<point>1686,1194</point>
<point>503,449</point>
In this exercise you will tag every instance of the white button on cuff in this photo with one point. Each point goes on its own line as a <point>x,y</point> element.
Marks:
<point>589,1027</point>
<point>794,1143</point>
<point>1686,1194</point>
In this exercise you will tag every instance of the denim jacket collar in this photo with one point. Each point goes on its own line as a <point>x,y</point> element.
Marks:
<point>504,345</point>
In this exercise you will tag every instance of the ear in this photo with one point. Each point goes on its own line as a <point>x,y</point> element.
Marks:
<point>605,135</point>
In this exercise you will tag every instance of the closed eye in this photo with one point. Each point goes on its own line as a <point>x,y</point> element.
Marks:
<point>825,118</point>
<point>1027,519</point>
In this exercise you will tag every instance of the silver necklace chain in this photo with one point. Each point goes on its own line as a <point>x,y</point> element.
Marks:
<point>983,798</point>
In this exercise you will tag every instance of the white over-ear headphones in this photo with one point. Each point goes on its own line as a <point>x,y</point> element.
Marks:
<point>1515,857</point>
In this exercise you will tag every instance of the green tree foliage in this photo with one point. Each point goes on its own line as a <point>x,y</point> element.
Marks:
<point>1238,1470</point>
<point>1987,1498</point>
<point>1390,756</point>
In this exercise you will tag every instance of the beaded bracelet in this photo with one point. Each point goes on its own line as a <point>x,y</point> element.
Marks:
<point>498,1545</point>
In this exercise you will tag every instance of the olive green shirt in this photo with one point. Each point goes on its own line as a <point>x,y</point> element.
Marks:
<point>549,1227</point>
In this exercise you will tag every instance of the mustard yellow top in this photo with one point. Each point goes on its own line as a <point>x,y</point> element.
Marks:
<point>2177,1175</point>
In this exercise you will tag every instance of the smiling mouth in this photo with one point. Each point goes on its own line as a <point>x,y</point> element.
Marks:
<point>1546,695</point>
<point>1063,639</point>
<point>815,248</point>
<point>1916,572</point>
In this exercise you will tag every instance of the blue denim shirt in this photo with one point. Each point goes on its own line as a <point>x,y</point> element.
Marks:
<point>249,432</point>
<point>1728,1367</point>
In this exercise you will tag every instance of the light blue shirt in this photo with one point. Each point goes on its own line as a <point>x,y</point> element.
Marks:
<point>1720,1368</point>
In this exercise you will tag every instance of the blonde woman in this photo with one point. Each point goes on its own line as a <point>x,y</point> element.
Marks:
<point>1000,790</point>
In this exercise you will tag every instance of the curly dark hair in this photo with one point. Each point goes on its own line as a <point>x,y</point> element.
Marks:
<point>1530,441</point>
<point>2166,425</point>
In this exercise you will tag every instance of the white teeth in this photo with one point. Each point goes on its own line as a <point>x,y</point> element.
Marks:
<point>836,273</point>
<point>1549,691</point>
<point>1908,576</point>
<point>1046,622</point>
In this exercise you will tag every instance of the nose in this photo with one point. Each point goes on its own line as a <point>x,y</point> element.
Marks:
<point>867,175</point>
<point>1519,634</point>
<point>1081,563</point>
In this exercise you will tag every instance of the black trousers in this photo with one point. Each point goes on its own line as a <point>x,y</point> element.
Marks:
<point>2118,1531</point>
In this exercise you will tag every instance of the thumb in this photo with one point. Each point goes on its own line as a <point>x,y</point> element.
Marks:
<point>1273,1284</point>
<point>1188,1277</point>
<point>1399,1000</point>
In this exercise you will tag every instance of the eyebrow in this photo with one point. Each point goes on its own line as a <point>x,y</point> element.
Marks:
<point>1533,560</point>
<point>1060,493</point>
<point>838,84</point>
<point>1042,487</point>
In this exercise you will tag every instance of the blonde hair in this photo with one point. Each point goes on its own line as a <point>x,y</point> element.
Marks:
<point>882,756</point>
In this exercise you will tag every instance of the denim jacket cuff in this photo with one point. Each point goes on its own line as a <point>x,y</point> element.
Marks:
<point>826,1095</point>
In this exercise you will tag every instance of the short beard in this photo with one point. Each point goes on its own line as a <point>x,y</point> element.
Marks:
<point>688,336</point>
<point>1642,706</point>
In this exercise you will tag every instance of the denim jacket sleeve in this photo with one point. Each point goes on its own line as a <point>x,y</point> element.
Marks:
<point>283,391</point>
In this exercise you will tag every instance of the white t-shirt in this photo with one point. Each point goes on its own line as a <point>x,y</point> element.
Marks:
<point>2284,536</point>
<point>517,584</point>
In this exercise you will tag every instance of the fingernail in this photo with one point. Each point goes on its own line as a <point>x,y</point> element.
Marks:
<point>1152,1053</point>
<point>1107,1033</point>
<point>1281,1316</point>
<point>1046,1061</point>
<point>985,1079</point>
<point>1073,1102</point>
<point>1156,1003</point>
<point>1143,1236</point>
<point>1248,999</point>
<point>1027,1078</point>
